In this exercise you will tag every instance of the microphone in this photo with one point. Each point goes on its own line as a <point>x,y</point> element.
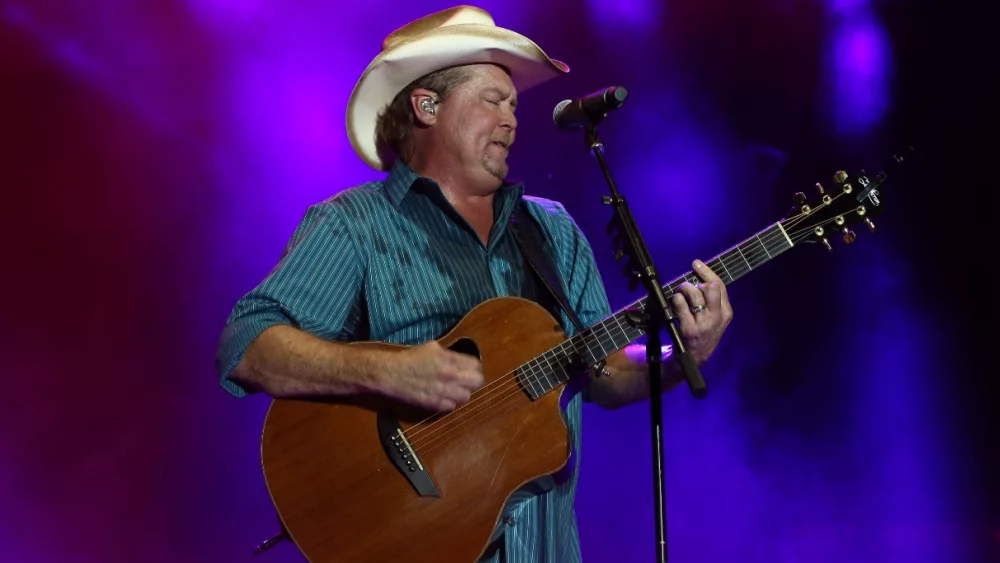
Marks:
<point>591,108</point>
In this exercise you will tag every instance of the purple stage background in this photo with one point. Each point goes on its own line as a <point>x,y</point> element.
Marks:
<point>157,155</point>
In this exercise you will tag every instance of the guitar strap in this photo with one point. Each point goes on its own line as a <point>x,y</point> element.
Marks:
<point>528,235</point>
<point>529,238</point>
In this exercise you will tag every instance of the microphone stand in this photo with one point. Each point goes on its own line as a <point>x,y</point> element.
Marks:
<point>655,316</point>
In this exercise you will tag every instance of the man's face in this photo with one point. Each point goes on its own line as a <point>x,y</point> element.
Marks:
<point>477,123</point>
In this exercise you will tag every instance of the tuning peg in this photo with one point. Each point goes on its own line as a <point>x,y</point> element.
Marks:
<point>871,226</point>
<point>839,177</point>
<point>849,236</point>
<point>799,205</point>
<point>819,188</point>
<point>826,243</point>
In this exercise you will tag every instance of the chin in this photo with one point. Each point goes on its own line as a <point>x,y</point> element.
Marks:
<point>496,170</point>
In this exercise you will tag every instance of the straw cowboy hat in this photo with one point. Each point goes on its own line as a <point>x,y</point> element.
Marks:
<point>456,36</point>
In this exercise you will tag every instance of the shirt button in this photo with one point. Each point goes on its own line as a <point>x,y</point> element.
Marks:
<point>509,521</point>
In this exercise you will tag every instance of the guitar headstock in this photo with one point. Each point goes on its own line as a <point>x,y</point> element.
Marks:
<point>836,208</point>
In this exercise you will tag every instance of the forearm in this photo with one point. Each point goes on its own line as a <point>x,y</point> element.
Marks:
<point>629,379</point>
<point>285,362</point>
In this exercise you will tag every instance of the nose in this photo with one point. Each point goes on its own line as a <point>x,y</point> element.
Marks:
<point>507,118</point>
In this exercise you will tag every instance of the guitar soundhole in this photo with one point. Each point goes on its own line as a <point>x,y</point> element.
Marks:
<point>466,346</point>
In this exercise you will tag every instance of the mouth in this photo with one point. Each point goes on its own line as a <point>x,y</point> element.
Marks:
<point>503,145</point>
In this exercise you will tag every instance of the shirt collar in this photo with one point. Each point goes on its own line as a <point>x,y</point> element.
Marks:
<point>401,178</point>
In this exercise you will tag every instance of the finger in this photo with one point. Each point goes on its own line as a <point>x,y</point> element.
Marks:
<point>708,275</point>
<point>464,361</point>
<point>472,380</point>
<point>692,294</point>
<point>704,272</point>
<point>444,405</point>
<point>712,291</point>
<point>681,309</point>
<point>459,394</point>
<point>465,370</point>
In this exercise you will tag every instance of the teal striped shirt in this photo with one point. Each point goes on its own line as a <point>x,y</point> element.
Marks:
<point>393,261</point>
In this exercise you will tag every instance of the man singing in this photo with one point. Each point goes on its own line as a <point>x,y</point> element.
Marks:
<point>403,259</point>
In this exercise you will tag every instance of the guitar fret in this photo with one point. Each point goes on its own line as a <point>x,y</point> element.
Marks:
<point>615,332</point>
<point>536,384</point>
<point>536,387</point>
<point>743,256</point>
<point>764,247</point>
<point>749,252</point>
<point>594,337</point>
<point>544,371</point>
<point>725,278</point>
<point>548,375</point>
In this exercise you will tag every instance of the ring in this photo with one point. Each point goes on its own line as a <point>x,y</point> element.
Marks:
<point>697,309</point>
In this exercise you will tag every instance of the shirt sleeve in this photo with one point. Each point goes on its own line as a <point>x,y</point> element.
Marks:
<point>315,286</point>
<point>585,288</point>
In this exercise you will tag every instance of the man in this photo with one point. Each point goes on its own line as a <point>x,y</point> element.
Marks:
<point>404,259</point>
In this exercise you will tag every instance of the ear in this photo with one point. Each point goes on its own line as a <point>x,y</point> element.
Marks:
<point>424,104</point>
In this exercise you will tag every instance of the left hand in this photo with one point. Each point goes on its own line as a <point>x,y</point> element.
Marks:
<point>704,312</point>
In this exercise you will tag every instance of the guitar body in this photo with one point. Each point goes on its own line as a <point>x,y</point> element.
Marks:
<point>340,496</point>
<point>365,480</point>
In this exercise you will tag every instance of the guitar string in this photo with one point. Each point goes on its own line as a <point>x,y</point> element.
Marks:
<point>430,442</point>
<point>534,374</point>
<point>490,388</point>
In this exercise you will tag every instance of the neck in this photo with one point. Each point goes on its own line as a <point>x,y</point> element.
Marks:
<point>466,194</point>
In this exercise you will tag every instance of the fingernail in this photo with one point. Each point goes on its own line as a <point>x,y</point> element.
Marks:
<point>698,264</point>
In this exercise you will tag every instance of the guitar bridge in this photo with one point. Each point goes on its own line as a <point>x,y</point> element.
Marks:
<point>404,457</point>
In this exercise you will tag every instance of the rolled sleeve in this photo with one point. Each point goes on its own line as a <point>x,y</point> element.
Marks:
<point>314,287</point>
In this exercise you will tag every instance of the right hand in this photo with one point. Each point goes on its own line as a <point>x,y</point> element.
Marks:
<point>433,377</point>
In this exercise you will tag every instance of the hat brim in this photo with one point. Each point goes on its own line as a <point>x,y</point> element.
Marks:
<point>444,47</point>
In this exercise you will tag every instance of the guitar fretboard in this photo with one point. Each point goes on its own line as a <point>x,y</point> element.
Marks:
<point>547,371</point>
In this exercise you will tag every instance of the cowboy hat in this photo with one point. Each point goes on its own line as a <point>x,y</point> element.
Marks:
<point>452,37</point>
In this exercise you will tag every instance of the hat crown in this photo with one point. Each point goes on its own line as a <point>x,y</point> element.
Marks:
<point>459,15</point>
<point>461,35</point>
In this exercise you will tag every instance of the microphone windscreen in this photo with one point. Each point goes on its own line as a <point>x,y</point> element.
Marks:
<point>560,107</point>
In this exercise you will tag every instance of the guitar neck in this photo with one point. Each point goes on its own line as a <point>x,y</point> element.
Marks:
<point>616,332</point>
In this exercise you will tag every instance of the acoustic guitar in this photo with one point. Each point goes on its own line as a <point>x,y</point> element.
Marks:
<point>366,480</point>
